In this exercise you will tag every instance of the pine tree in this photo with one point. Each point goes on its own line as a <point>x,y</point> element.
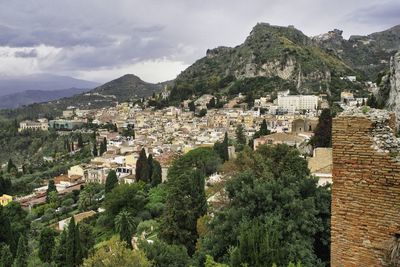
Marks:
<point>156,177</point>
<point>111,181</point>
<point>46,244</point>
<point>21,259</point>
<point>50,188</point>
<point>142,167</point>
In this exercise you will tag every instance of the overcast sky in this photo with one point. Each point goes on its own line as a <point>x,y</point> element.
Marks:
<point>101,40</point>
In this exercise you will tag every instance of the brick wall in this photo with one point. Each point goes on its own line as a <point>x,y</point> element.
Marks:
<point>365,192</point>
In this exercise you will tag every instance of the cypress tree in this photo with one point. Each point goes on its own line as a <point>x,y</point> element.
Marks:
<point>94,151</point>
<point>264,128</point>
<point>142,167</point>
<point>240,137</point>
<point>11,166</point>
<point>111,181</point>
<point>21,259</point>
<point>46,244</point>
<point>70,244</point>
<point>156,177</point>
<point>80,141</point>
<point>225,150</point>
<point>60,255</point>
<point>150,163</point>
<point>5,230</point>
<point>50,188</point>
<point>105,143</point>
<point>78,247</point>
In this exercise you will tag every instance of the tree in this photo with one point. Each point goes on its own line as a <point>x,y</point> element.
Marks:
<point>6,257</point>
<point>185,203</point>
<point>74,253</point>
<point>80,141</point>
<point>211,104</point>
<point>11,166</point>
<point>21,259</point>
<point>129,197</point>
<point>46,244</point>
<point>111,181</point>
<point>87,238</point>
<point>150,163</point>
<point>264,128</point>
<point>163,254</point>
<point>156,177</point>
<point>222,148</point>
<point>142,167</point>
<point>103,146</point>
<point>115,253</point>
<point>89,195</point>
<point>272,209</point>
<point>125,226</point>
<point>191,106</point>
<point>211,263</point>
<point>5,185</point>
<point>323,132</point>
<point>50,188</point>
<point>240,138</point>
<point>94,151</point>
<point>372,102</point>
<point>60,252</point>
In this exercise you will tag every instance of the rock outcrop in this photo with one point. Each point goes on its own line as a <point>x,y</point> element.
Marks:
<point>393,101</point>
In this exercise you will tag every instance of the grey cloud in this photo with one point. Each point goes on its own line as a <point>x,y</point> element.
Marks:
<point>385,13</point>
<point>95,34</point>
<point>26,54</point>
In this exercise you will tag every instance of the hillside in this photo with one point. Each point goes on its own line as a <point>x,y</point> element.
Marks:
<point>271,57</point>
<point>125,88</point>
<point>368,54</point>
<point>36,96</point>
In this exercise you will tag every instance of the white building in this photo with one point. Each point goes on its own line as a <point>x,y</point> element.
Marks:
<point>298,102</point>
<point>41,124</point>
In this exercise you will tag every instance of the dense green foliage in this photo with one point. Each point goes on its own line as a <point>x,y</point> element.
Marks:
<point>165,255</point>
<point>274,207</point>
<point>46,244</point>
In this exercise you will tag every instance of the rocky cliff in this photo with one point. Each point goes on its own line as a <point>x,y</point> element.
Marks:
<point>393,101</point>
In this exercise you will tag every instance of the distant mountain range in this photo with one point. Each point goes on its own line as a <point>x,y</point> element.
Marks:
<point>43,82</point>
<point>36,96</point>
<point>126,88</point>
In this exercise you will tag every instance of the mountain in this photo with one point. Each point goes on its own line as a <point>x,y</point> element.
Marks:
<point>36,96</point>
<point>271,58</point>
<point>126,88</point>
<point>42,82</point>
<point>369,55</point>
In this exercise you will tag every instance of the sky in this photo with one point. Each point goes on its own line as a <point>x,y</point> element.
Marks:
<point>100,40</point>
